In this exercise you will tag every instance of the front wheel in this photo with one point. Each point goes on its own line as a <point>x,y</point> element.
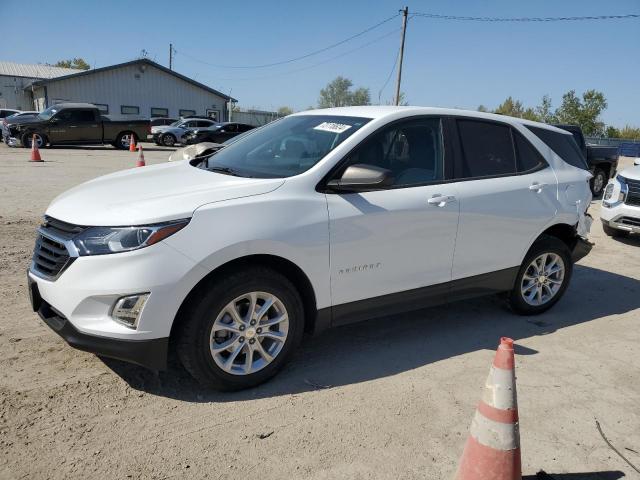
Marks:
<point>241,329</point>
<point>27,140</point>
<point>543,277</point>
<point>598,182</point>
<point>168,140</point>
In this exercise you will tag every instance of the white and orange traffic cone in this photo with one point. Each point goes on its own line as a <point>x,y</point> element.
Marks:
<point>492,451</point>
<point>132,143</point>
<point>140,162</point>
<point>35,152</point>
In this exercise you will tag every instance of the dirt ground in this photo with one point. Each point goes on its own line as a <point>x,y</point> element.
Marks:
<point>389,399</point>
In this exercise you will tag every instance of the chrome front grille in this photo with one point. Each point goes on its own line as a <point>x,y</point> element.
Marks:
<point>633,197</point>
<point>52,253</point>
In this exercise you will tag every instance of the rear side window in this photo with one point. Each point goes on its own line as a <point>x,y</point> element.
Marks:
<point>528,158</point>
<point>487,149</point>
<point>563,145</point>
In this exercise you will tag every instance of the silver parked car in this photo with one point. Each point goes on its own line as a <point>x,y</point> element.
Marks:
<point>169,135</point>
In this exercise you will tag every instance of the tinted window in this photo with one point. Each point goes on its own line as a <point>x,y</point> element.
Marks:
<point>563,145</point>
<point>529,158</point>
<point>487,149</point>
<point>244,128</point>
<point>412,150</point>
<point>76,116</point>
<point>204,123</point>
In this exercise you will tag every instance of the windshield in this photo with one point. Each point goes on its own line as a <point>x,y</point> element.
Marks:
<point>48,113</point>
<point>285,147</point>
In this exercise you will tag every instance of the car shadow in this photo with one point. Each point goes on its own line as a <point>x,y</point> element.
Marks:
<point>109,148</point>
<point>395,344</point>
<point>608,475</point>
<point>632,239</point>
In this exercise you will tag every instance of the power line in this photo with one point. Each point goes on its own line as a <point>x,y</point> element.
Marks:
<point>393,69</point>
<point>308,67</point>
<point>301,57</point>
<point>525,19</point>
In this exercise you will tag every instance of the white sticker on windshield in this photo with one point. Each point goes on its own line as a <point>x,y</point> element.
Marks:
<point>332,127</point>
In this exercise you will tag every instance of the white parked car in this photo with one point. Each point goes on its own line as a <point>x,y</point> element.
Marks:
<point>169,135</point>
<point>620,213</point>
<point>319,219</point>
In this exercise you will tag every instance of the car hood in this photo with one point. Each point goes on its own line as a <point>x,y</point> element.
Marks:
<point>152,194</point>
<point>632,173</point>
<point>22,119</point>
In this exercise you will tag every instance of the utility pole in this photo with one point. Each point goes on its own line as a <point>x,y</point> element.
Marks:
<point>405,13</point>
<point>171,56</point>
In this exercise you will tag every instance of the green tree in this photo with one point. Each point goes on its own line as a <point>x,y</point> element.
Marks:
<point>630,133</point>
<point>545,111</point>
<point>78,63</point>
<point>338,93</point>
<point>284,111</point>
<point>584,112</point>
<point>612,132</point>
<point>514,108</point>
<point>482,108</point>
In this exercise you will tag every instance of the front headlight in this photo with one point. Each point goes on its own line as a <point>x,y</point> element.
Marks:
<point>615,192</point>
<point>104,240</point>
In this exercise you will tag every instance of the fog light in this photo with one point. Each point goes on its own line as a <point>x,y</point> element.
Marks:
<point>127,309</point>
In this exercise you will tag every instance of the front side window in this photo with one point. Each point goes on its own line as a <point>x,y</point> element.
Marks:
<point>285,147</point>
<point>76,116</point>
<point>487,149</point>
<point>412,150</point>
<point>563,145</point>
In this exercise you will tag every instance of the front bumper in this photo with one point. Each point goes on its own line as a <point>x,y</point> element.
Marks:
<point>621,216</point>
<point>151,353</point>
<point>626,223</point>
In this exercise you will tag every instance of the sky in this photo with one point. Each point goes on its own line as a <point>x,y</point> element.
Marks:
<point>447,63</point>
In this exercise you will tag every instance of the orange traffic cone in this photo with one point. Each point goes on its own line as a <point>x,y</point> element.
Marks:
<point>35,153</point>
<point>140,162</point>
<point>492,451</point>
<point>132,143</point>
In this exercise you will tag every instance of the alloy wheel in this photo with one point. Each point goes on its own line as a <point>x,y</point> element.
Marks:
<point>542,279</point>
<point>249,333</point>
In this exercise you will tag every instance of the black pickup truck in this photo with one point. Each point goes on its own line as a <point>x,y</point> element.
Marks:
<point>601,159</point>
<point>75,124</point>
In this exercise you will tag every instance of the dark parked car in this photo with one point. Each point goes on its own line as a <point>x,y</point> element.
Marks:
<point>160,121</point>
<point>7,112</point>
<point>75,124</point>
<point>602,160</point>
<point>218,133</point>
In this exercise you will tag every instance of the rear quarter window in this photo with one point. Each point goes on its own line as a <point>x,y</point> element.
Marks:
<point>562,144</point>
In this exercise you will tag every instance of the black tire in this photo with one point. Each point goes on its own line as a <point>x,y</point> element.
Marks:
<point>168,139</point>
<point>545,244</point>
<point>193,337</point>
<point>614,232</point>
<point>27,138</point>
<point>121,142</point>
<point>598,182</point>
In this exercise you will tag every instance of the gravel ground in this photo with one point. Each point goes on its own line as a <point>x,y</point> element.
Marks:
<point>392,398</point>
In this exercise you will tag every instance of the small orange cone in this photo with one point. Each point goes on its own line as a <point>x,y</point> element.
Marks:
<point>132,143</point>
<point>140,162</point>
<point>35,153</point>
<point>492,451</point>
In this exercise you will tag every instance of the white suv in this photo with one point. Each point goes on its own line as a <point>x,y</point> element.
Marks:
<point>620,214</point>
<point>319,219</point>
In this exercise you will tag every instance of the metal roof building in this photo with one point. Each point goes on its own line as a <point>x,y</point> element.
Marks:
<point>14,77</point>
<point>139,88</point>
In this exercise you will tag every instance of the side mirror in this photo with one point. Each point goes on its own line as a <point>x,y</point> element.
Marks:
<point>362,178</point>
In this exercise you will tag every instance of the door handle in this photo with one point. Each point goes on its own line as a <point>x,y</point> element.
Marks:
<point>441,200</point>
<point>537,187</point>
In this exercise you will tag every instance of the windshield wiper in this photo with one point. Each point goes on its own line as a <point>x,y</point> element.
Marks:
<point>225,170</point>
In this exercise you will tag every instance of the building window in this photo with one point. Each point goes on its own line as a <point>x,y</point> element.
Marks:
<point>187,113</point>
<point>159,112</point>
<point>129,110</point>
<point>102,108</point>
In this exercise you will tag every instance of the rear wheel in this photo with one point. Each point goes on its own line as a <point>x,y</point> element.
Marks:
<point>598,182</point>
<point>168,140</point>
<point>27,140</point>
<point>543,277</point>
<point>614,232</point>
<point>241,330</point>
